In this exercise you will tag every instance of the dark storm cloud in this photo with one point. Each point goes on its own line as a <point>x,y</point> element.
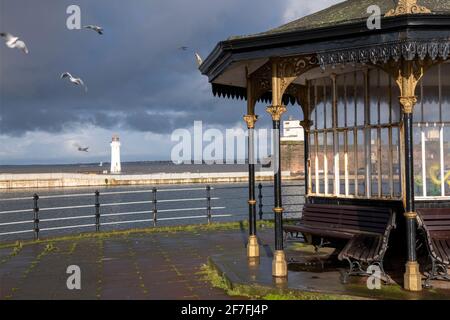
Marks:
<point>137,77</point>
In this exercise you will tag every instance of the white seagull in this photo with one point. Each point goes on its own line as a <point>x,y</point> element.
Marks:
<point>199,59</point>
<point>97,29</point>
<point>14,42</point>
<point>76,81</point>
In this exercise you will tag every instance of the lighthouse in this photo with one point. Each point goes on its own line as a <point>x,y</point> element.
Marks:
<point>115,155</point>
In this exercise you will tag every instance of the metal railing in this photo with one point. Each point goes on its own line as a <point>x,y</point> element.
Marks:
<point>152,208</point>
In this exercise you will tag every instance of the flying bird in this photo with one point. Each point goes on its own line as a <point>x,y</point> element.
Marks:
<point>14,42</point>
<point>76,81</point>
<point>183,48</point>
<point>80,148</point>
<point>199,59</point>
<point>97,29</point>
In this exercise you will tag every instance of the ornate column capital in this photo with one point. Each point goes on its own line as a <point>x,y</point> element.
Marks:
<point>408,103</point>
<point>276,112</point>
<point>250,120</point>
<point>407,7</point>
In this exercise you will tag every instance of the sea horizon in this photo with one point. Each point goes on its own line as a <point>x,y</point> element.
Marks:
<point>132,167</point>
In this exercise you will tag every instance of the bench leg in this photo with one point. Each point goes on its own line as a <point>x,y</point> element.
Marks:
<point>356,269</point>
<point>322,244</point>
<point>386,278</point>
<point>438,271</point>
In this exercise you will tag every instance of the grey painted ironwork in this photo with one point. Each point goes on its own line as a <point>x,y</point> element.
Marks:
<point>408,50</point>
<point>97,211</point>
<point>36,216</point>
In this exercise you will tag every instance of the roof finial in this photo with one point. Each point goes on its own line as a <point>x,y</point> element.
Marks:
<point>407,7</point>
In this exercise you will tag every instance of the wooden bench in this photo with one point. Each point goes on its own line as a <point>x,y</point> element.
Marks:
<point>364,230</point>
<point>435,225</point>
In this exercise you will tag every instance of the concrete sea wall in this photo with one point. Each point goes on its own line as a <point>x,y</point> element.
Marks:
<point>62,180</point>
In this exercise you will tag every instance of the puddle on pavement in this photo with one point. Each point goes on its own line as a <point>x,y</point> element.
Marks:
<point>314,266</point>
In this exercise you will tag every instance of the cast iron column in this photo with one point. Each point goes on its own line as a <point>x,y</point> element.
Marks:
<point>409,186</point>
<point>253,246</point>
<point>408,78</point>
<point>279,265</point>
<point>412,278</point>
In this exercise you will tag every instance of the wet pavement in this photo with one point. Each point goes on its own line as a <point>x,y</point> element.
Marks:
<point>317,273</point>
<point>135,266</point>
<point>167,265</point>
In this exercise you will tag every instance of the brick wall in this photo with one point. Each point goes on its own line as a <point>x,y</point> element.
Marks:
<point>292,156</point>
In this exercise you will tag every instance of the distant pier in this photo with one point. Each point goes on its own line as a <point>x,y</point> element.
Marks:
<point>63,180</point>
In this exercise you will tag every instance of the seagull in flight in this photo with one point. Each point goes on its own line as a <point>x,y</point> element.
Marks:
<point>183,48</point>
<point>97,29</point>
<point>14,42</point>
<point>80,148</point>
<point>199,59</point>
<point>76,81</point>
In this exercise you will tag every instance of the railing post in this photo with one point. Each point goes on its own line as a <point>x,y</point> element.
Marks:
<point>36,216</point>
<point>208,203</point>
<point>260,199</point>
<point>97,211</point>
<point>155,207</point>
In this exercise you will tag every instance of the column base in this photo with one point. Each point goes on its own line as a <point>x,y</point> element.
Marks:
<point>279,265</point>
<point>412,277</point>
<point>253,247</point>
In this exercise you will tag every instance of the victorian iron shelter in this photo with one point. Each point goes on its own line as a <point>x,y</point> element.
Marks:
<point>376,108</point>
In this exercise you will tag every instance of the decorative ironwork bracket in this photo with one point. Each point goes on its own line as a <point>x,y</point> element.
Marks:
<point>407,75</point>
<point>408,50</point>
<point>251,120</point>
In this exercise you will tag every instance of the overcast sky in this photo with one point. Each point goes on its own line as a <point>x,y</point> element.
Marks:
<point>141,86</point>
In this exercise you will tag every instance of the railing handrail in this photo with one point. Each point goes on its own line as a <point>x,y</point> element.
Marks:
<point>73,195</point>
<point>152,211</point>
<point>109,215</point>
<point>106,205</point>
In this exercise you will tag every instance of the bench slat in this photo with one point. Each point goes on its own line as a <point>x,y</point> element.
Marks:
<point>348,208</point>
<point>354,221</point>
<point>439,228</point>
<point>436,216</point>
<point>357,224</point>
<point>353,230</point>
<point>349,212</point>
<point>347,216</point>
<point>319,232</point>
<point>437,222</point>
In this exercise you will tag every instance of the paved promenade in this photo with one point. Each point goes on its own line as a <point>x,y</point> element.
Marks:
<point>167,264</point>
<point>134,266</point>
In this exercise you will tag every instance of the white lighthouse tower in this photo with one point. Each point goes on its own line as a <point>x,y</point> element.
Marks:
<point>115,155</point>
